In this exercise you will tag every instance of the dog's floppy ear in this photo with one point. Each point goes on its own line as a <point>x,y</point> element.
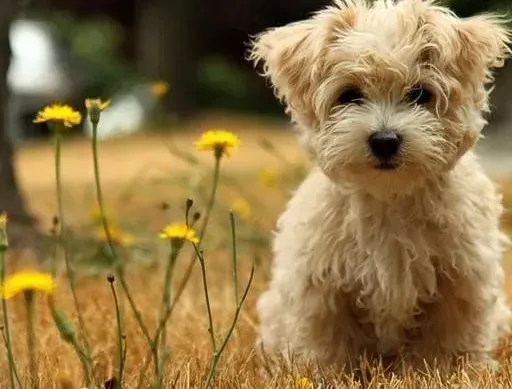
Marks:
<point>288,55</point>
<point>484,45</point>
<point>292,55</point>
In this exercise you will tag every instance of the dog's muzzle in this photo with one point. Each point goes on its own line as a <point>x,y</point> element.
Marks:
<point>384,145</point>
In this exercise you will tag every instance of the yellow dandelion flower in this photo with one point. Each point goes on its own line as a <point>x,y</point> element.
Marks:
<point>303,383</point>
<point>242,208</point>
<point>220,141</point>
<point>159,88</point>
<point>58,113</point>
<point>179,232</point>
<point>268,177</point>
<point>25,282</point>
<point>118,236</point>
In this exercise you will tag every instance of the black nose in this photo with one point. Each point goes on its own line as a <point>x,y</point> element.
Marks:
<point>384,144</point>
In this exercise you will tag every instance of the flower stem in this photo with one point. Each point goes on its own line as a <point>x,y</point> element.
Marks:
<point>202,230</point>
<point>15,372</point>
<point>166,298</point>
<point>99,195</point>
<point>29,301</point>
<point>7,333</point>
<point>120,353</point>
<point>119,268</point>
<point>217,354</point>
<point>234,256</point>
<point>211,331</point>
<point>84,360</point>
<point>68,334</point>
<point>63,232</point>
<point>190,266</point>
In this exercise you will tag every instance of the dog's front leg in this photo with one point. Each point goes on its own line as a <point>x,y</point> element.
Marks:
<point>307,325</point>
<point>464,325</point>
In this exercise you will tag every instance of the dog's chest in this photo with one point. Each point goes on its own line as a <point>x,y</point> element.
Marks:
<point>389,269</point>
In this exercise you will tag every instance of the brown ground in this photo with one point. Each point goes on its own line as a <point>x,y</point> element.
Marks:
<point>134,199</point>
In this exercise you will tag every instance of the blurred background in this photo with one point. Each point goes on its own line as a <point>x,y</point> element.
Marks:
<point>164,63</point>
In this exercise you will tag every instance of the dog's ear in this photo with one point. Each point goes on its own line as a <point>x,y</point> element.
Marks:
<point>484,46</point>
<point>292,55</point>
<point>288,55</point>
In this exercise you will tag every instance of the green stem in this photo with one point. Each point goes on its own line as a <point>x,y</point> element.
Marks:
<point>53,256</point>
<point>234,256</point>
<point>120,353</point>
<point>16,376</point>
<point>211,331</point>
<point>29,300</point>
<point>83,359</point>
<point>217,355</point>
<point>135,310</point>
<point>63,232</point>
<point>7,333</point>
<point>163,316</point>
<point>166,298</point>
<point>202,230</point>
<point>119,266</point>
<point>68,334</point>
<point>99,194</point>
<point>190,266</point>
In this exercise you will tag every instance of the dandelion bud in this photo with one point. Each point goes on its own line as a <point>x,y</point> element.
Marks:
<point>110,278</point>
<point>196,216</point>
<point>66,329</point>
<point>189,203</point>
<point>94,108</point>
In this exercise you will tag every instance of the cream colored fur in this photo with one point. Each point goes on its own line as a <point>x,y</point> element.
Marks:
<point>395,263</point>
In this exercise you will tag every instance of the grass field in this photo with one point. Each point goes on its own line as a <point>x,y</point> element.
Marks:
<point>138,174</point>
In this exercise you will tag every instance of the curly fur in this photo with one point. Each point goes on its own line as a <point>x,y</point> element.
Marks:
<point>402,262</point>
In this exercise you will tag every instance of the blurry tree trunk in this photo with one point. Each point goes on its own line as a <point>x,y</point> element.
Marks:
<point>22,226</point>
<point>168,48</point>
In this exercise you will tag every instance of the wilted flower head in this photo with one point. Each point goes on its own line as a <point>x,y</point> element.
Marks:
<point>221,142</point>
<point>179,233</point>
<point>59,114</point>
<point>27,282</point>
<point>94,108</point>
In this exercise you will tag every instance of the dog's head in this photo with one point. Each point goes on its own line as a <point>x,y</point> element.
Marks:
<point>385,93</point>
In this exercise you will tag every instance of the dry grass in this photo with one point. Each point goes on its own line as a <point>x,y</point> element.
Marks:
<point>136,203</point>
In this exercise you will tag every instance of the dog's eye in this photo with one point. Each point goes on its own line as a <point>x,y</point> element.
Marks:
<point>350,95</point>
<point>419,95</point>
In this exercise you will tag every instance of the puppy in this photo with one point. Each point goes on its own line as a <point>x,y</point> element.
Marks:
<point>391,246</point>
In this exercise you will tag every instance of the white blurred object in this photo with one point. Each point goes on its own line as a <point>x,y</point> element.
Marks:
<point>126,114</point>
<point>37,75</point>
<point>35,67</point>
